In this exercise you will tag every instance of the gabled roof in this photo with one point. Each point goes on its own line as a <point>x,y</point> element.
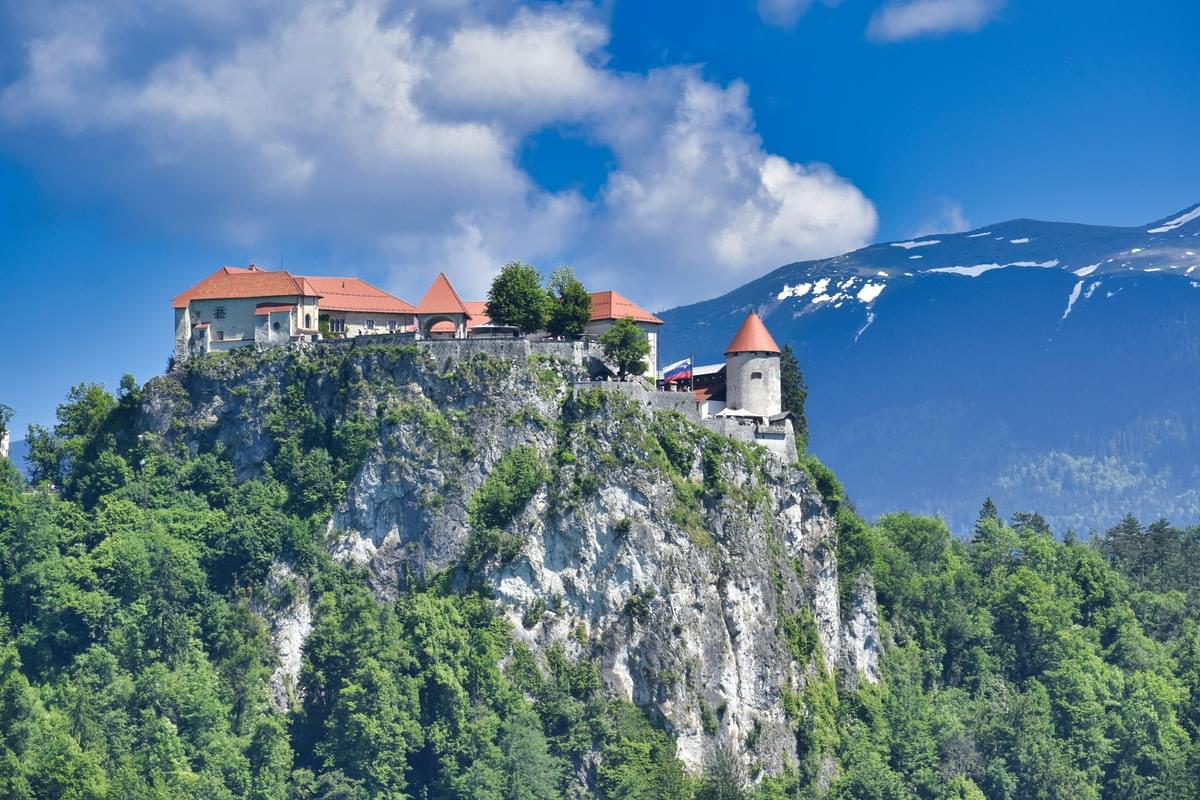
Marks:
<point>442,299</point>
<point>611,305</point>
<point>478,311</point>
<point>230,283</point>
<point>752,337</point>
<point>355,294</point>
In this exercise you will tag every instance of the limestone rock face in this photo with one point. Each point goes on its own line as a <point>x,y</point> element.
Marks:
<point>861,645</point>
<point>682,562</point>
<point>285,608</point>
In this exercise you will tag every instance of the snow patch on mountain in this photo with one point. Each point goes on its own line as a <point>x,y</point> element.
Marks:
<point>911,245</point>
<point>1178,222</point>
<point>870,291</point>
<point>1083,272</point>
<point>979,269</point>
<point>1018,241</point>
<point>977,235</point>
<point>870,321</point>
<point>1073,297</point>
<point>799,290</point>
<point>1092,287</point>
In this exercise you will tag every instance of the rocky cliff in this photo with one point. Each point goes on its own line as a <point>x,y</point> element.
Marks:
<point>698,573</point>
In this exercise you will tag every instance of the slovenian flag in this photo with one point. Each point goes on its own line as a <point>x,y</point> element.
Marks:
<point>679,371</point>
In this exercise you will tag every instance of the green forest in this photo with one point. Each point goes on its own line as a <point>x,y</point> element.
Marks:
<point>1018,663</point>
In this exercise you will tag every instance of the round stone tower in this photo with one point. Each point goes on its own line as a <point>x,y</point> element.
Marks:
<point>752,370</point>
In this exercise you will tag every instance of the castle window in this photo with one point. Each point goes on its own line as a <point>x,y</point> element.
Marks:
<point>220,336</point>
<point>219,312</point>
<point>756,376</point>
<point>308,321</point>
<point>337,325</point>
<point>393,325</point>
<point>369,324</point>
<point>275,325</point>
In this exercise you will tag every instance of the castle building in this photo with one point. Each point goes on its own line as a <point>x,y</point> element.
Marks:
<point>243,306</point>
<point>752,372</point>
<point>748,383</point>
<point>608,307</point>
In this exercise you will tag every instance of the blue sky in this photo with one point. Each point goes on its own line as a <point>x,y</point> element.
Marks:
<point>671,150</point>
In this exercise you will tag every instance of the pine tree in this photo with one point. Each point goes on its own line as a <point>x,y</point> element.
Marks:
<point>793,392</point>
<point>987,513</point>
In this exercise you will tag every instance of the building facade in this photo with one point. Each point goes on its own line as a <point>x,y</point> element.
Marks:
<point>243,306</point>
<point>609,306</point>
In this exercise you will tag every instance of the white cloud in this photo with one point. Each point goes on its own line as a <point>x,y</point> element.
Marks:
<point>786,13</point>
<point>950,218</point>
<point>899,20</point>
<point>394,132</point>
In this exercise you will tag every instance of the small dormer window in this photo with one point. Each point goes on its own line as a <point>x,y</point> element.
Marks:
<point>219,312</point>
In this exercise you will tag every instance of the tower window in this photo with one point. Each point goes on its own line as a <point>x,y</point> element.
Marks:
<point>219,312</point>
<point>756,376</point>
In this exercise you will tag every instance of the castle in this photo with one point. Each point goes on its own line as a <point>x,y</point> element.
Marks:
<point>248,306</point>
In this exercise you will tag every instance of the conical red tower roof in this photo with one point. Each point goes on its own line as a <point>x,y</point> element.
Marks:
<point>752,337</point>
<point>442,299</point>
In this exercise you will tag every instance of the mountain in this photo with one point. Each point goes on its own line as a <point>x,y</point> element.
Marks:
<point>1053,366</point>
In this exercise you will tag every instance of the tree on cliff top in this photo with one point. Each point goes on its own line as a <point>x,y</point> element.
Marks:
<point>517,298</point>
<point>626,346</point>
<point>793,391</point>
<point>570,305</point>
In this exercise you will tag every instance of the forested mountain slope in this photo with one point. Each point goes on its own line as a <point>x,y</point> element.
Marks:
<point>508,589</point>
<point>1053,366</point>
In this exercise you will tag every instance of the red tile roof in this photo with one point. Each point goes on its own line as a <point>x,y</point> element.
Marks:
<point>355,294</point>
<point>611,305</point>
<point>230,283</point>
<point>478,311</point>
<point>752,337</point>
<point>442,299</point>
<point>262,309</point>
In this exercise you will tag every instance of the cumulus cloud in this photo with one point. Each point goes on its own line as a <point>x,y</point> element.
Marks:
<point>899,20</point>
<point>395,131</point>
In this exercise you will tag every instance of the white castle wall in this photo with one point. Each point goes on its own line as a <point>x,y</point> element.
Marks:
<point>752,383</point>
